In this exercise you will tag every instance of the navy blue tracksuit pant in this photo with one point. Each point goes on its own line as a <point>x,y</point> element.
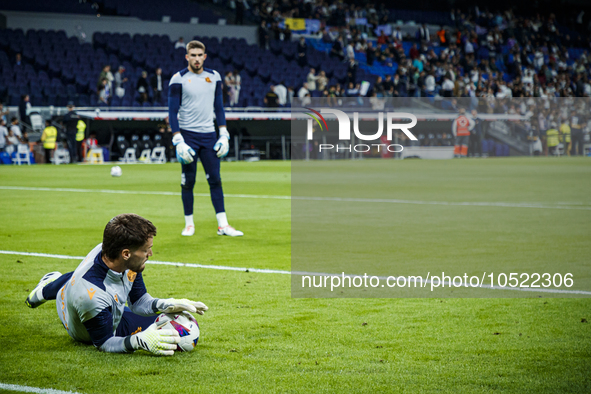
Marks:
<point>203,144</point>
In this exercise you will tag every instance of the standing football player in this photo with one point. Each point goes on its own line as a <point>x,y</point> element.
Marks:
<point>91,300</point>
<point>194,95</point>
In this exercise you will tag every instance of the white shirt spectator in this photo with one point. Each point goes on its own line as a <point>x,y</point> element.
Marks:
<point>229,81</point>
<point>397,35</point>
<point>550,90</point>
<point>237,87</point>
<point>159,82</point>
<point>350,52</point>
<point>452,75</point>
<point>311,79</point>
<point>447,85</point>
<point>119,89</point>
<point>504,92</point>
<point>528,76</point>
<point>430,83</point>
<point>303,92</point>
<point>110,79</point>
<point>179,44</point>
<point>105,94</point>
<point>302,95</point>
<point>17,131</point>
<point>281,92</point>
<point>469,48</point>
<point>238,81</point>
<point>13,142</point>
<point>3,135</point>
<point>538,59</point>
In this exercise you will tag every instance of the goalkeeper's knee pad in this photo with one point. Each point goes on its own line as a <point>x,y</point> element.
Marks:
<point>214,182</point>
<point>188,181</point>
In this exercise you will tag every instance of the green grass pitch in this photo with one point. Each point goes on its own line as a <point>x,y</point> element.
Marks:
<point>255,337</point>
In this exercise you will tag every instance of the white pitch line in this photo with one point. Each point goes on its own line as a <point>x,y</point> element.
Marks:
<point>283,272</point>
<point>29,389</point>
<point>156,262</point>
<point>562,205</point>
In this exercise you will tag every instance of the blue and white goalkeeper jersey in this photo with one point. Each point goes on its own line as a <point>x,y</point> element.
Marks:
<point>193,99</point>
<point>91,303</point>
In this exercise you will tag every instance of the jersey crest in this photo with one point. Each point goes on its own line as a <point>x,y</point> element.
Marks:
<point>131,275</point>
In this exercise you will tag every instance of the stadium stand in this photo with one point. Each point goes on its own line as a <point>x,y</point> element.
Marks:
<point>394,53</point>
<point>484,54</point>
<point>55,69</point>
<point>182,11</point>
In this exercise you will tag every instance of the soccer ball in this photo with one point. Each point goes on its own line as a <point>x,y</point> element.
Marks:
<point>116,171</point>
<point>185,324</point>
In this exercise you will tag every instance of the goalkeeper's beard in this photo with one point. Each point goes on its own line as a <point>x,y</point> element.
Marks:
<point>196,70</point>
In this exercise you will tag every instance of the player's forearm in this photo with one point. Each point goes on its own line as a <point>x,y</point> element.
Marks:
<point>173,118</point>
<point>218,106</point>
<point>145,306</point>
<point>174,104</point>
<point>117,345</point>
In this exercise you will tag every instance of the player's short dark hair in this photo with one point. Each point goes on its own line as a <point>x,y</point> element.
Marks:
<point>126,231</point>
<point>195,44</point>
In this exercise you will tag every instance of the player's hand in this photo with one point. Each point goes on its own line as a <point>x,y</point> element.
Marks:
<point>222,146</point>
<point>184,153</point>
<point>171,305</point>
<point>161,342</point>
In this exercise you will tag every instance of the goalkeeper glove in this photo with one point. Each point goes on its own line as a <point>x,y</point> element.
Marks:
<point>222,146</point>
<point>161,342</point>
<point>184,153</point>
<point>171,305</point>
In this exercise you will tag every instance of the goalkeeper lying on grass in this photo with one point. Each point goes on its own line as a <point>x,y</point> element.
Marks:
<point>91,300</point>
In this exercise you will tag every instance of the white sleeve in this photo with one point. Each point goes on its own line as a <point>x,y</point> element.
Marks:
<point>115,345</point>
<point>454,127</point>
<point>176,78</point>
<point>145,306</point>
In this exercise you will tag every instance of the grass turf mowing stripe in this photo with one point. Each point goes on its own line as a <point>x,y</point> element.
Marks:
<point>561,205</point>
<point>29,389</point>
<point>270,271</point>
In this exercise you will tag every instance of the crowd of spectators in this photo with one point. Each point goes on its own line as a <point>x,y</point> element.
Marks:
<point>482,54</point>
<point>550,125</point>
<point>490,55</point>
<point>11,135</point>
<point>500,62</point>
<point>147,88</point>
<point>333,13</point>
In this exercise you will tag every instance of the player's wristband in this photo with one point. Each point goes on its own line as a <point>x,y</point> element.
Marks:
<point>177,139</point>
<point>155,306</point>
<point>127,344</point>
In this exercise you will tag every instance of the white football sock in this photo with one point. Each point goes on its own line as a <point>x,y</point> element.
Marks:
<point>189,221</point>
<point>222,219</point>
